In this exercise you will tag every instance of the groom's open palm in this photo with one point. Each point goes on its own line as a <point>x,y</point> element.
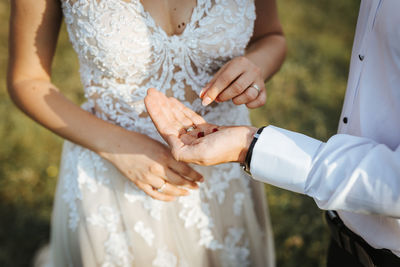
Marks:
<point>207,144</point>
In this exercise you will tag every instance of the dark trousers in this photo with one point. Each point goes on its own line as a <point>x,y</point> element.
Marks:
<point>338,257</point>
<point>348,249</point>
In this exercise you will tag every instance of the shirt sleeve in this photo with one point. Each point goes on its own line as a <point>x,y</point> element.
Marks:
<point>346,173</point>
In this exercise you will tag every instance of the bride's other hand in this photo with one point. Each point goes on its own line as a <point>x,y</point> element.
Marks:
<point>240,80</point>
<point>151,166</point>
<point>205,143</point>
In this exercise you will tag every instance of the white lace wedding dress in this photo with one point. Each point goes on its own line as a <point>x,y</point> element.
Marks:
<point>100,218</point>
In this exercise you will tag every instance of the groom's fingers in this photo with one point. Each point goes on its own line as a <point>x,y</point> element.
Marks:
<point>180,117</point>
<point>158,109</point>
<point>193,116</point>
<point>155,102</point>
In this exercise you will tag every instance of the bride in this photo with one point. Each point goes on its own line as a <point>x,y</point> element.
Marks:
<point>122,200</point>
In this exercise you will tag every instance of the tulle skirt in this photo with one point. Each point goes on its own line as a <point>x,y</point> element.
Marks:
<point>100,218</point>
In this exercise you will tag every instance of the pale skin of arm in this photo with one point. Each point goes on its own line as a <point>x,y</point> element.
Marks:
<point>34,28</point>
<point>220,144</point>
<point>263,57</point>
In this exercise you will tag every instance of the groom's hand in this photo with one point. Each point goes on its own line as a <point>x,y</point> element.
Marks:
<point>191,138</point>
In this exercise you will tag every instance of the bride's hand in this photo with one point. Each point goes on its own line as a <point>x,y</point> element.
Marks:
<point>240,80</point>
<point>150,166</point>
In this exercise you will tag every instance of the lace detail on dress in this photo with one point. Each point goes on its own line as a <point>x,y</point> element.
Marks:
<point>219,182</point>
<point>165,258</point>
<point>144,232</point>
<point>84,169</point>
<point>116,247</point>
<point>238,204</point>
<point>117,69</point>
<point>183,263</point>
<point>233,253</point>
<point>196,213</point>
<point>133,194</point>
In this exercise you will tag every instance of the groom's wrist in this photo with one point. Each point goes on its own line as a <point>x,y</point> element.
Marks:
<point>249,152</point>
<point>248,138</point>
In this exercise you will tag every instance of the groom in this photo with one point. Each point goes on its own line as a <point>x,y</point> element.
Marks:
<point>356,172</point>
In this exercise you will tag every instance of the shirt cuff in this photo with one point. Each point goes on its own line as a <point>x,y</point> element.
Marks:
<point>283,158</point>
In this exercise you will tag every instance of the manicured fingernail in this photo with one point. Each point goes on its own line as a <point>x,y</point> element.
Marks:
<point>206,101</point>
<point>201,92</point>
<point>214,130</point>
<point>205,88</point>
<point>200,134</point>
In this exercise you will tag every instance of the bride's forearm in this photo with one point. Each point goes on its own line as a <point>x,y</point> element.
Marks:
<point>43,102</point>
<point>34,27</point>
<point>268,53</point>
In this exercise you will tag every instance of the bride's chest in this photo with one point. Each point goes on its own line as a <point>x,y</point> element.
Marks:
<point>171,15</point>
<point>120,34</point>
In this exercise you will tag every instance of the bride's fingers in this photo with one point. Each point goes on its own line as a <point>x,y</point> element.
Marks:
<point>162,186</point>
<point>247,96</point>
<point>259,101</point>
<point>185,170</point>
<point>175,179</point>
<point>238,87</point>
<point>149,190</point>
<point>227,76</point>
<point>211,82</point>
<point>173,190</point>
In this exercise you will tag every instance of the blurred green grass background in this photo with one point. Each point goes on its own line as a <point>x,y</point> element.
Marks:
<point>306,96</point>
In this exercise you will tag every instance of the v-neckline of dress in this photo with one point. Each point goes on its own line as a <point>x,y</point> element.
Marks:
<point>149,18</point>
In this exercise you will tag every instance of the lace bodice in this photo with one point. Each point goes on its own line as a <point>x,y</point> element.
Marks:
<point>123,52</point>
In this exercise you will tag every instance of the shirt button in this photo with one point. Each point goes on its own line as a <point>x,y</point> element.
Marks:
<point>345,119</point>
<point>361,57</point>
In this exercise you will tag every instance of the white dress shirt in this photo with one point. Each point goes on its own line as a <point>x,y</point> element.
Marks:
<point>357,172</point>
